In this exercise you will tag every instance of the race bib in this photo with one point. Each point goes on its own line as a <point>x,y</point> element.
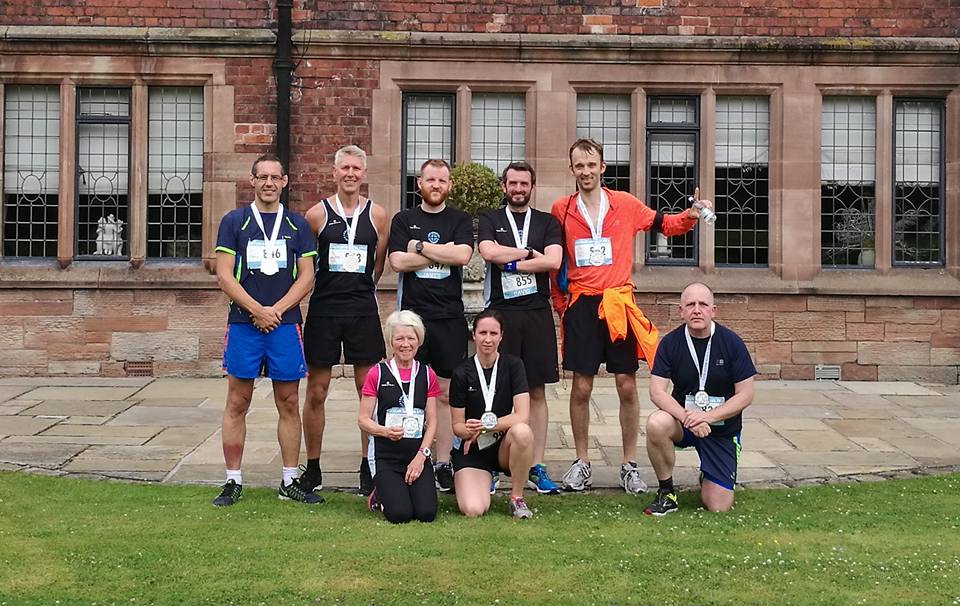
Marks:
<point>690,403</point>
<point>434,271</point>
<point>517,284</point>
<point>258,252</point>
<point>342,258</point>
<point>593,253</point>
<point>487,439</point>
<point>412,424</point>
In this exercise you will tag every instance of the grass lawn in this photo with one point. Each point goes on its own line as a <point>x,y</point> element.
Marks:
<point>67,541</point>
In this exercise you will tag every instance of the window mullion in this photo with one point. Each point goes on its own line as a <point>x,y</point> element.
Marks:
<point>138,174</point>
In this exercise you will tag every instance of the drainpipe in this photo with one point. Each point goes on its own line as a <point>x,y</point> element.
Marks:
<point>282,68</point>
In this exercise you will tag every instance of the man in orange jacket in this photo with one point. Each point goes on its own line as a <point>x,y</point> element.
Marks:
<point>601,321</point>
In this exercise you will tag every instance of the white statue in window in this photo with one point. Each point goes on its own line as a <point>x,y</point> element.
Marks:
<point>109,240</point>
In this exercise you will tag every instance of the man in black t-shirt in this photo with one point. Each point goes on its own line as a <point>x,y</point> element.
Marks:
<point>429,245</point>
<point>712,376</point>
<point>521,246</point>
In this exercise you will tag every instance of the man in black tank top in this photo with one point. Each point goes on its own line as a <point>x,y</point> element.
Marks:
<point>343,317</point>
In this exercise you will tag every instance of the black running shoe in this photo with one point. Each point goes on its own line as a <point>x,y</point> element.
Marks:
<point>366,480</point>
<point>311,479</point>
<point>229,494</point>
<point>295,492</point>
<point>666,502</point>
<point>444,477</point>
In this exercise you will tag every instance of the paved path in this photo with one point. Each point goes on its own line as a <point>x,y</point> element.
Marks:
<point>167,430</point>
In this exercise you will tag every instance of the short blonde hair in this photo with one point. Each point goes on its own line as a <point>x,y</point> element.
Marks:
<point>403,318</point>
<point>350,150</point>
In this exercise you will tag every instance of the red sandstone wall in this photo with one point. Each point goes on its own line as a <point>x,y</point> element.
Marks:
<point>93,332</point>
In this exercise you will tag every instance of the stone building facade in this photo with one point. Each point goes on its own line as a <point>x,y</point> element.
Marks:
<point>826,132</point>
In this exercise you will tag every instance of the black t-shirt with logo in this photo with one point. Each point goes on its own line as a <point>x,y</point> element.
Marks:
<point>730,363</point>
<point>465,389</point>
<point>431,298</point>
<point>544,231</point>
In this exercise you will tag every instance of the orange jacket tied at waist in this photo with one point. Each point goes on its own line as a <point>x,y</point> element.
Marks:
<point>619,310</point>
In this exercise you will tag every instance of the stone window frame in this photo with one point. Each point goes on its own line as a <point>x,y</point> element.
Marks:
<point>222,167</point>
<point>885,99</point>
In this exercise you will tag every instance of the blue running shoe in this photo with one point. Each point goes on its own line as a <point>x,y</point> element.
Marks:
<point>494,481</point>
<point>539,480</point>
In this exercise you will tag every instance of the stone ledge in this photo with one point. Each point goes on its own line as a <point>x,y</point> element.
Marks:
<point>154,35</point>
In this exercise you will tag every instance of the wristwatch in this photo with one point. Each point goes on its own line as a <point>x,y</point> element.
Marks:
<point>426,452</point>
<point>529,253</point>
<point>419,247</point>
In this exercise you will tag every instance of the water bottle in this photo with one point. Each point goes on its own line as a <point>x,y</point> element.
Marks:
<point>707,215</point>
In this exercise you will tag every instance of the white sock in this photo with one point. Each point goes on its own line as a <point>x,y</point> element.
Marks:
<point>290,474</point>
<point>234,474</point>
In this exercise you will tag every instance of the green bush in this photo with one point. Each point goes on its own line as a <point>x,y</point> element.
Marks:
<point>476,189</point>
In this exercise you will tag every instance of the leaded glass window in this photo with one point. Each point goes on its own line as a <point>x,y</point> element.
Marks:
<point>175,172</point>
<point>673,132</point>
<point>428,132</point>
<point>606,119</point>
<point>103,166</point>
<point>918,182</point>
<point>742,181</point>
<point>497,129</point>
<point>31,170</point>
<point>848,130</point>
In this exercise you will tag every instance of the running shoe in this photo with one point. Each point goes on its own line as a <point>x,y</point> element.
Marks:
<point>494,482</point>
<point>311,480</point>
<point>295,492</point>
<point>578,478</point>
<point>229,494</point>
<point>444,476</point>
<point>666,502</point>
<point>539,480</point>
<point>373,503</point>
<point>519,509</point>
<point>630,478</point>
<point>366,480</point>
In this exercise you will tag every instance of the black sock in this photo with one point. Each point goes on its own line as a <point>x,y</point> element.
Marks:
<point>313,464</point>
<point>666,485</point>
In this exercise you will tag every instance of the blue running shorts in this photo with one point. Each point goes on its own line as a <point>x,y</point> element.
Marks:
<point>718,456</point>
<point>278,354</point>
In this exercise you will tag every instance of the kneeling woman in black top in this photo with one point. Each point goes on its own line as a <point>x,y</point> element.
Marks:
<point>490,407</point>
<point>398,408</point>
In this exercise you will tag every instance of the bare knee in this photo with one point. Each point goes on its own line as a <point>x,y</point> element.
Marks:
<point>716,498</point>
<point>237,404</point>
<point>472,509</point>
<point>660,425</point>
<point>316,394</point>
<point>521,434</point>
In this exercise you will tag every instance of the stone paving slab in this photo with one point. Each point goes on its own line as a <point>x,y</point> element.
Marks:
<point>168,430</point>
<point>892,388</point>
<point>74,393</point>
<point>81,407</point>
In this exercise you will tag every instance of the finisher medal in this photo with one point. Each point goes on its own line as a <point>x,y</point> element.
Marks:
<point>269,266</point>
<point>351,261</point>
<point>701,399</point>
<point>596,258</point>
<point>488,420</point>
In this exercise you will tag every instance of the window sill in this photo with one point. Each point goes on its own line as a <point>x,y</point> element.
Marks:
<point>47,273</point>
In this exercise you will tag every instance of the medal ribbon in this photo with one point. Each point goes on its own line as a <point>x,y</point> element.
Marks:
<point>408,396</point>
<point>511,220</point>
<point>706,355</point>
<point>486,389</point>
<point>272,239</point>
<point>351,225</point>
<point>595,231</point>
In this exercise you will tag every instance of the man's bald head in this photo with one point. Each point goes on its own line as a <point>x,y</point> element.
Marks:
<point>697,309</point>
<point>699,290</point>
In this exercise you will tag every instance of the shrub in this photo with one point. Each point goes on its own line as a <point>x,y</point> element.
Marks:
<point>476,189</point>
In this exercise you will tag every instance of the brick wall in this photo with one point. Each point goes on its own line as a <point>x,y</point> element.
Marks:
<point>646,17</point>
<point>94,332</point>
<point>141,13</point>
